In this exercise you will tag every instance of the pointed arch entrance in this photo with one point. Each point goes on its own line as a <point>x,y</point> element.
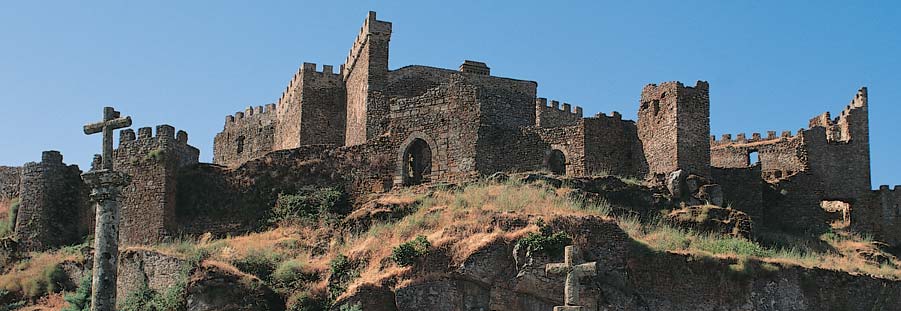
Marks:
<point>415,160</point>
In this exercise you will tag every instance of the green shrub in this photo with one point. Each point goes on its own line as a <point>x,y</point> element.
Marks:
<point>147,299</point>
<point>80,300</point>
<point>303,301</point>
<point>10,224</point>
<point>406,253</point>
<point>308,203</point>
<point>342,272</point>
<point>259,262</point>
<point>290,275</point>
<point>545,241</point>
<point>351,307</point>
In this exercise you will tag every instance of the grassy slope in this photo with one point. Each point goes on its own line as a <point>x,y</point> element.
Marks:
<point>298,260</point>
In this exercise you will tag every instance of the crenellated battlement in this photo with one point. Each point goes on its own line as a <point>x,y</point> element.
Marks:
<point>615,115</point>
<point>554,106</point>
<point>371,26</point>
<point>251,114</point>
<point>742,138</point>
<point>164,133</point>
<point>553,115</point>
<point>887,189</point>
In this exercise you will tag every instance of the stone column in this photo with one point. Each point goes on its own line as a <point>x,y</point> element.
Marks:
<point>105,188</point>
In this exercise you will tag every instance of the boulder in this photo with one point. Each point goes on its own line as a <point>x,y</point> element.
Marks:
<point>713,219</point>
<point>221,287</point>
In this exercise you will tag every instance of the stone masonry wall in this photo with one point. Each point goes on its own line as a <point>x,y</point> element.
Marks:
<point>568,139</point>
<point>879,213</point>
<point>840,152</point>
<point>323,107</point>
<point>148,203</point>
<point>552,115</point>
<point>742,189</point>
<point>53,204</point>
<point>778,156</point>
<point>611,146</point>
<point>234,200</point>
<point>10,178</point>
<point>247,135</point>
<point>445,117</point>
<point>365,71</point>
<point>671,121</point>
<point>793,204</point>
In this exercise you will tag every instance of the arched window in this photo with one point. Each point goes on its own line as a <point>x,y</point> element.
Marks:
<point>556,162</point>
<point>417,162</point>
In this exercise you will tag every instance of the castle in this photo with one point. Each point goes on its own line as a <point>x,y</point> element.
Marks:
<point>370,129</point>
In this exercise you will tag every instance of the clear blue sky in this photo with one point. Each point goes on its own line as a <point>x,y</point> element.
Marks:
<point>772,65</point>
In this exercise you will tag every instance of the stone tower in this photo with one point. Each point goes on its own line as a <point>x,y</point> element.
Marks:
<point>841,157</point>
<point>54,210</point>
<point>365,74</point>
<point>674,127</point>
<point>148,203</point>
<point>312,109</point>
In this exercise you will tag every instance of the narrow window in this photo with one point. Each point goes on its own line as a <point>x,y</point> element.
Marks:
<point>240,144</point>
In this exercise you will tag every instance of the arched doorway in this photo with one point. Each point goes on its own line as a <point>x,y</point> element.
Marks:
<point>556,162</point>
<point>417,162</point>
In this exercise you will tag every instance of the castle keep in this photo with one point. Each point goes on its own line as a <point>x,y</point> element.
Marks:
<point>367,128</point>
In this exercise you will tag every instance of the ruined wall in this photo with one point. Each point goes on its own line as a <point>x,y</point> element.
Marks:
<point>840,153</point>
<point>10,177</point>
<point>246,135</point>
<point>778,156</point>
<point>235,200</point>
<point>148,203</point>
<point>53,204</point>
<point>674,127</point>
<point>611,146</point>
<point>742,189</point>
<point>365,72</point>
<point>793,204</point>
<point>552,115</point>
<point>879,214</point>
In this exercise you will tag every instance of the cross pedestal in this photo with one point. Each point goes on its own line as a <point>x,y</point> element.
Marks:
<point>574,270</point>
<point>105,187</point>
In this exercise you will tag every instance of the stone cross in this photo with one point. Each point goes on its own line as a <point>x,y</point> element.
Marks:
<point>111,121</point>
<point>105,187</point>
<point>573,271</point>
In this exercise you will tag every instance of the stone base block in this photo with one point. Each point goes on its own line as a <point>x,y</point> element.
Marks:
<point>569,308</point>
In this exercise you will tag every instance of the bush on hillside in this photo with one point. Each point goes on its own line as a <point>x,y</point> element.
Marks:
<point>308,203</point>
<point>406,253</point>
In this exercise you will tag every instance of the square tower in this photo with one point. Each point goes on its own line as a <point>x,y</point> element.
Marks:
<point>674,127</point>
<point>365,74</point>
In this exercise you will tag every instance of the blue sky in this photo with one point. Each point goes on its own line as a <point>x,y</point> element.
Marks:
<point>772,65</point>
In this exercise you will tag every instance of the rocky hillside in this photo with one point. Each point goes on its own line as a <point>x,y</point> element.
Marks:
<point>484,246</point>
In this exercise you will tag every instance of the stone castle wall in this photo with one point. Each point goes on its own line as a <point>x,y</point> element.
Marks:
<point>612,146</point>
<point>247,135</point>
<point>54,209</point>
<point>147,212</point>
<point>552,115</point>
<point>779,156</point>
<point>742,189</point>
<point>10,178</point>
<point>879,214</point>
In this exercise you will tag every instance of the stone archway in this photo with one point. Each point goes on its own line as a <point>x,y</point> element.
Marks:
<point>416,162</point>
<point>556,162</point>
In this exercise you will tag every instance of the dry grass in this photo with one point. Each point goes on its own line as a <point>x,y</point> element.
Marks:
<point>458,223</point>
<point>34,277</point>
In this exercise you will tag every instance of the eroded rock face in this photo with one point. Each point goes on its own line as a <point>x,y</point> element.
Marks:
<point>501,276</point>
<point>215,288</point>
<point>713,219</point>
<point>158,271</point>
